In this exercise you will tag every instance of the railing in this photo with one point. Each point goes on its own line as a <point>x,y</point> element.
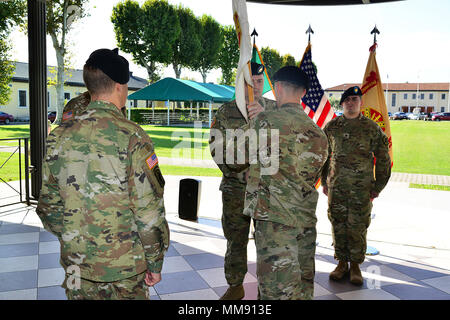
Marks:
<point>161,118</point>
<point>22,151</point>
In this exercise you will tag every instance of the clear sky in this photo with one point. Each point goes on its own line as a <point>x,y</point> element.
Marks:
<point>414,44</point>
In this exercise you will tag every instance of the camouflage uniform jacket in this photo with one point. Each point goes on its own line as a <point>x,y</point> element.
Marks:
<point>228,116</point>
<point>102,195</point>
<point>288,196</point>
<point>76,106</point>
<point>353,143</point>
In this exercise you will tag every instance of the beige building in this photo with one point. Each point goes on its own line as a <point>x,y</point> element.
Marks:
<point>19,102</point>
<point>429,97</point>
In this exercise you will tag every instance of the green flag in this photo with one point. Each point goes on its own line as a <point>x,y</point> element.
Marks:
<point>256,57</point>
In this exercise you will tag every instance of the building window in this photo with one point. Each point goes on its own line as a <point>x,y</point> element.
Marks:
<point>442,109</point>
<point>431,96</point>
<point>393,99</point>
<point>414,96</point>
<point>67,96</point>
<point>22,98</point>
<point>422,96</point>
<point>443,96</point>
<point>405,96</point>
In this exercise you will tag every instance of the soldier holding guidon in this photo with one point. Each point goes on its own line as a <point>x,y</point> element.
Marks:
<point>235,225</point>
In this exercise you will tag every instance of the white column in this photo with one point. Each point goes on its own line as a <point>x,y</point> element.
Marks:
<point>168,112</point>
<point>209,115</point>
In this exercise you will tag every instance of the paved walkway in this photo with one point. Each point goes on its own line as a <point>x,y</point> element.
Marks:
<point>396,176</point>
<point>409,227</point>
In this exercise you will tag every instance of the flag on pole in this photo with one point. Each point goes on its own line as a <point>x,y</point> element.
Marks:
<point>256,57</point>
<point>373,102</point>
<point>245,54</point>
<point>315,103</point>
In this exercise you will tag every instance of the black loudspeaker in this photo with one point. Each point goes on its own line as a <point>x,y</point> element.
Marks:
<point>189,199</point>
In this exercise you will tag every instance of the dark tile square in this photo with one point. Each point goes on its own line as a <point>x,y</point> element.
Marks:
<point>10,281</point>
<point>343,285</point>
<point>51,293</point>
<point>416,291</point>
<point>19,250</point>
<point>50,260</point>
<point>204,261</point>
<point>46,236</point>
<point>416,272</point>
<point>17,228</point>
<point>180,282</point>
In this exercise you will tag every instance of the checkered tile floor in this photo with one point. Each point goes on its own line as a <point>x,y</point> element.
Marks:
<point>193,268</point>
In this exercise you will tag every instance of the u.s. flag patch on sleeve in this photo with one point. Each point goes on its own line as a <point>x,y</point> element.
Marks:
<point>152,161</point>
<point>67,115</point>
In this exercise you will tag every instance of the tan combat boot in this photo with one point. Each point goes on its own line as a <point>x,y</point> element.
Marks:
<point>234,293</point>
<point>355,274</point>
<point>340,271</point>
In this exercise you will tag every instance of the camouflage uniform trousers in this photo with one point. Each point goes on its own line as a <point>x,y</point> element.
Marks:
<point>349,214</point>
<point>285,261</point>
<point>133,288</point>
<point>236,227</point>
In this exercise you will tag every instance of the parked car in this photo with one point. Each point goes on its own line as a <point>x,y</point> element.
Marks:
<point>413,116</point>
<point>6,118</point>
<point>423,116</point>
<point>441,116</point>
<point>52,116</point>
<point>399,116</point>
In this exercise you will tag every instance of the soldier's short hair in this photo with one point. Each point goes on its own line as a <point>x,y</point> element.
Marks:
<point>291,86</point>
<point>96,81</point>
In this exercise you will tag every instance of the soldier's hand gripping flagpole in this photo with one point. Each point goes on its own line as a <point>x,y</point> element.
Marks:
<point>243,72</point>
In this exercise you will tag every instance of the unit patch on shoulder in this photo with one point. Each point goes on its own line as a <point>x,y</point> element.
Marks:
<point>67,115</point>
<point>152,161</point>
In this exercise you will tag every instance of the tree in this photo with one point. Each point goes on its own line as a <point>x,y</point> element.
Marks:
<point>148,33</point>
<point>272,60</point>
<point>334,102</point>
<point>228,55</point>
<point>186,48</point>
<point>211,40</point>
<point>61,14</point>
<point>288,60</point>
<point>11,13</point>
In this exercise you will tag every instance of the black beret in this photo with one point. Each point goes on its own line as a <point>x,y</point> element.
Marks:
<point>257,68</point>
<point>111,63</point>
<point>293,75</point>
<point>352,91</point>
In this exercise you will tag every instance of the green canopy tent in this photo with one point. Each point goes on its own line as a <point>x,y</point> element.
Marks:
<point>170,89</point>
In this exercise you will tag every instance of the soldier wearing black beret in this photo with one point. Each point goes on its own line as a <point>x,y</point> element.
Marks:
<point>283,201</point>
<point>348,181</point>
<point>235,225</point>
<point>350,92</point>
<point>103,192</point>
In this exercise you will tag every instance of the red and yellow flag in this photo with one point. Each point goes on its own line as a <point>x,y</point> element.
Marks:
<point>373,101</point>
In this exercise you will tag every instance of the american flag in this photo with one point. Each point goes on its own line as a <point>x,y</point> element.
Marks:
<point>315,103</point>
<point>152,161</point>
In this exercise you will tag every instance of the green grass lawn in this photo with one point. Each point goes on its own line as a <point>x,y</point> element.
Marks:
<point>419,146</point>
